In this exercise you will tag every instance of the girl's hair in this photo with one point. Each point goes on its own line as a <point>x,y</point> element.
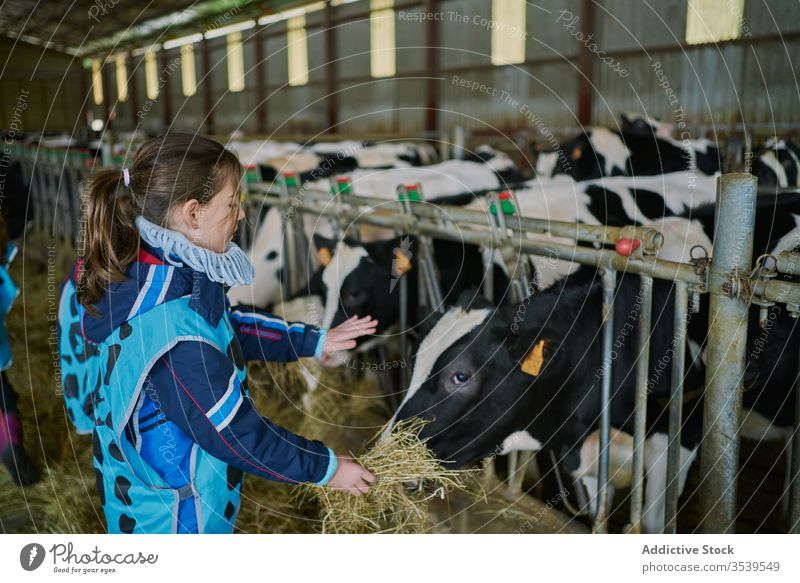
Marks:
<point>168,170</point>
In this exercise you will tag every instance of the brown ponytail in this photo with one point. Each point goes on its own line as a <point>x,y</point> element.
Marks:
<point>167,170</point>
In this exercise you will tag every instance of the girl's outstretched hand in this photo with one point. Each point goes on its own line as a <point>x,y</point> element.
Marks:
<point>351,477</point>
<point>343,337</point>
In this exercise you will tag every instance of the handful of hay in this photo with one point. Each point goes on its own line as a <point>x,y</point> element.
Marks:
<point>390,506</point>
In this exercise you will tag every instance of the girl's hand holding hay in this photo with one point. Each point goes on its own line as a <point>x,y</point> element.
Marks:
<point>389,506</point>
<point>351,477</point>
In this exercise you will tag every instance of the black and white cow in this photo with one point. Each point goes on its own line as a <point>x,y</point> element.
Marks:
<point>645,125</point>
<point>660,202</point>
<point>380,155</point>
<point>350,281</point>
<point>361,278</point>
<point>325,159</point>
<point>469,378</point>
<point>492,380</point>
<point>452,181</point>
<point>486,169</point>
<point>599,151</point>
<point>777,164</point>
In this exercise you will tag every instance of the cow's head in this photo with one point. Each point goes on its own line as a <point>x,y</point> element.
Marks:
<point>502,164</point>
<point>360,279</point>
<point>644,125</point>
<point>475,380</point>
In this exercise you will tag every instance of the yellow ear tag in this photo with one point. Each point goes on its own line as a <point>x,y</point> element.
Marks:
<point>324,256</point>
<point>577,153</point>
<point>533,362</point>
<point>402,262</point>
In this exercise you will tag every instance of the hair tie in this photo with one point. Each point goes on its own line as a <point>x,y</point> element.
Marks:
<point>126,176</point>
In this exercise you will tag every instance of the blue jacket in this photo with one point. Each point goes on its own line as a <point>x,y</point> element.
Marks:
<point>188,385</point>
<point>78,357</point>
<point>8,293</point>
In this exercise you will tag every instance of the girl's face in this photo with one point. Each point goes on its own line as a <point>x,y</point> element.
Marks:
<point>211,225</point>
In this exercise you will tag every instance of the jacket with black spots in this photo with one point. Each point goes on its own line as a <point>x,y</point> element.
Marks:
<point>191,380</point>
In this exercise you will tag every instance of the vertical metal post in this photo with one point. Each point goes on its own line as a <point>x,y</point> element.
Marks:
<point>676,407</point>
<point>459,141</point>
<point>208,90</point>
<point>640,407</point>
<point>518,291</point>
<point>732,257</point>
<point>487,254</point>
<point>794,467</point>
<point>585,62</point>
<point>133,91</point>
<point>164,92</point>
<point>331,72</point>
<point>405,348</point>
<point>431,68</point>
<point>260,82</point>
<point>290,250</point>
<point>609,288</point>
<point>427,276</point>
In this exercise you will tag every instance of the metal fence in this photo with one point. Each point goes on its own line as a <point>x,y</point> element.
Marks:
<point>724,279</point>
<point>729,279</point>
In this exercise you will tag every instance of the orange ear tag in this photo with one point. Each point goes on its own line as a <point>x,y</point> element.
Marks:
<point>402,262</point>
<point>576,153</point>
<point>324,256</point>
<point>533,362</point>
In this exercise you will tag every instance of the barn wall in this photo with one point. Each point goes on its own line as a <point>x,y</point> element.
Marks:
<point>732,83</point>
<point>40,88</point>
<point>651,69</point>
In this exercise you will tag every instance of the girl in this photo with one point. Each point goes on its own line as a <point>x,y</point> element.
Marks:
<point>12,452</point>
<point>174,425</point>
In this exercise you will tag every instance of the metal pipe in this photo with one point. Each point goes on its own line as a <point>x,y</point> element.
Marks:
<point>487,254</point>
<point>405,348</point>
<point>794,466</point>
<point>609,288</point>
<point>459,142</point>
<point>586,255</point>
<point>733,256</point>
<point>676,407</point>
<point>640,406</point>
<point>315,202</point>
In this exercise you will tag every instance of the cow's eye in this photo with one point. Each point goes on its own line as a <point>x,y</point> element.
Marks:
<point>352,297</point>
<point>459,378</point>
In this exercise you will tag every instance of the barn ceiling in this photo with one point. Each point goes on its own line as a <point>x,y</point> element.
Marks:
<point>90,27</point>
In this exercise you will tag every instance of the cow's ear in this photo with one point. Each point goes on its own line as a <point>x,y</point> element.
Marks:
<point>399,249</point>
<point>472,299</point>
<point>535,354</point>
<point>325,247</point>
<point>323,242</point>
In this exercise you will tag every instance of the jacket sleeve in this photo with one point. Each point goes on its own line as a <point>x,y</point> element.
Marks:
<point>267,337</point>
<point>199,391</point>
